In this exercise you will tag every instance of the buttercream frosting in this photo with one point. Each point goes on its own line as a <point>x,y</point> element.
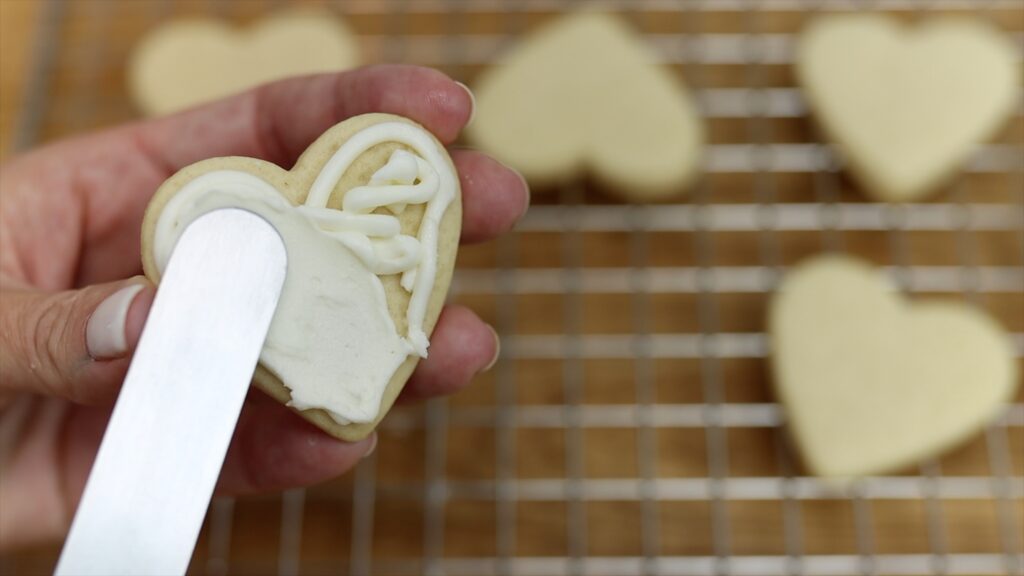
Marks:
<point>333,342</point>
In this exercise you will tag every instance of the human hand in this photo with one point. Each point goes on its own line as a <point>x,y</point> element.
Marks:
<point>70,218</point>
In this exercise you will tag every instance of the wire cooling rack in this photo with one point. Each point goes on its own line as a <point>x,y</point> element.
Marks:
<point>629,427</point>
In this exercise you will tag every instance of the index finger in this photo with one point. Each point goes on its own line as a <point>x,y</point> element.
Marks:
<point>277,121</point>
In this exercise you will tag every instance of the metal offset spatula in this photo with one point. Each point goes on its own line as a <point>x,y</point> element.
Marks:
<point>163,449</point>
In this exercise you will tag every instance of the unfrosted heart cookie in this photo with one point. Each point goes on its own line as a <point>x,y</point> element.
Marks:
<point>906,106</point>
<point>370,216</point>
<point>188,62</point>
<point>871,382</point>
<point>584,94</point>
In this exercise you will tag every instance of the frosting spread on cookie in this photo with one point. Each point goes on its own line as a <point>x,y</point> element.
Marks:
<point>333,342</point>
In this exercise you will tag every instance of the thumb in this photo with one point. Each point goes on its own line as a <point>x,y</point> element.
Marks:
<point>73,344</point>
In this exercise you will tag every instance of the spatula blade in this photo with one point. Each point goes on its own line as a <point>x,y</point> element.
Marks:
<point>163,449</point>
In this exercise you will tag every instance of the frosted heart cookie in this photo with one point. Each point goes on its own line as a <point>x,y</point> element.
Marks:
<point>370,216</point>
<point>585,95</point>
<point>870,382</point>
<point>188,62</point>
<point>906,106</point>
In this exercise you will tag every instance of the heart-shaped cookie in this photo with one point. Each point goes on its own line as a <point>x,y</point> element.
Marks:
<point>187,62</point>
<point>906,106</point>
<point>584,94</point>
<point>370,216</point>
<point>871,382</point>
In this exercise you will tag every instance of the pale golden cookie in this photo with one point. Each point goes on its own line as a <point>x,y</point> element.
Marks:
<point>585,95</point>
<point>188,62</point>
<point>906,106</point>
<point>293,187</point>
<point>870,382</point>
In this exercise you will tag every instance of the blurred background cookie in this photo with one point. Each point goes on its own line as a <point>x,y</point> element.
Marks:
<point>907,105</point>
<point>872,383</point>
<point>190,61</point>
<point>584,95</point>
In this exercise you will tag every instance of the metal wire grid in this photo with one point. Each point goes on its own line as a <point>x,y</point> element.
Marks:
<point>828,214</point>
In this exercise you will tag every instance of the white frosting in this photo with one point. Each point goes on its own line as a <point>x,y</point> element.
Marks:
<point>332,340</point>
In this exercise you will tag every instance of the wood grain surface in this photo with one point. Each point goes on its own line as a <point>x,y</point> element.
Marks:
<point>17,25</point>
<point>482,477</point>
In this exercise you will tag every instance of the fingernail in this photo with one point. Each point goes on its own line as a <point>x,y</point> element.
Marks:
<point>373,446</point>
<point>472,102</point>
<point>105,333</point>
<point>497,349</point>
<point>526,188</point>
